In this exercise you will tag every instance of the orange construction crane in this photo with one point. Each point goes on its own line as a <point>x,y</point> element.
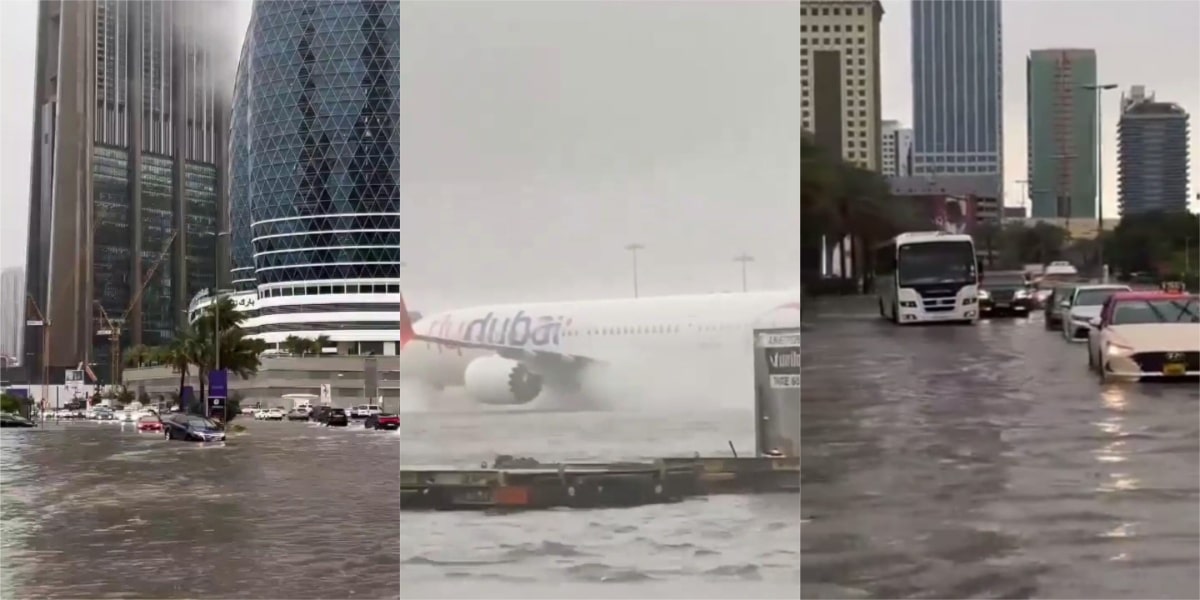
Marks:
<point>112,327</point>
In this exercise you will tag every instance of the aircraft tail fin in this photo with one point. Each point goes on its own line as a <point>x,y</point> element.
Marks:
<point>406,324</point>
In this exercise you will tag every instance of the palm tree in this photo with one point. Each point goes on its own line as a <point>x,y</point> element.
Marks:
<point>238,354</point>
<point>295,345</point>
<point>319,344</point>
<point>138,356</point>
<point>179,355</point>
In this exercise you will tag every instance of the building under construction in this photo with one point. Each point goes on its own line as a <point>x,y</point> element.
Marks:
<point>128,177</point>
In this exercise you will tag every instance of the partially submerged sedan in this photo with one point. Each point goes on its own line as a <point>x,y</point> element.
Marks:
<point>192,428</point>
<point>1146,335</point>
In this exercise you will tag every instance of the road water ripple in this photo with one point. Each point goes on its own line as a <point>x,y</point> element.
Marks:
<point>291,510</point>
<point>987,462</point>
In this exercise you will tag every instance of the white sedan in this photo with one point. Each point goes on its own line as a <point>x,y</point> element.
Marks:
<point>1146,334</point>
<point>1082,306</point>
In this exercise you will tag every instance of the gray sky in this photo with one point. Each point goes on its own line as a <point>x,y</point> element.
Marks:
<point>538,139</point>
<point>1149,42</point>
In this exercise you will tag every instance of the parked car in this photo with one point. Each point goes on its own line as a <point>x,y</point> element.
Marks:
<point>363,411</point>
<point>1082,306</point>
<point>149,424</point>
<point>192,428</point>
<point>382,421</point>
<point>1146,335</point>
<point>336,417</point>
<point>297,414</point>
<point>274,414</point>
<point>14,420</point>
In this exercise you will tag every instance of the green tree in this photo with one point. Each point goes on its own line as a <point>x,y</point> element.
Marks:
<point>138,356</point>
<point>1150,242</point>
<point>239,354</point>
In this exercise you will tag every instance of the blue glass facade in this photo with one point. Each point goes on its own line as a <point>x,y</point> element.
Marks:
<point>957,87</point>
<point>315,144</point>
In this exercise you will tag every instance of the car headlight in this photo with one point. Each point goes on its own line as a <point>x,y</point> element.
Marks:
<point>1118,350</point>
<point>1021,294</point>
<point>984,295</point>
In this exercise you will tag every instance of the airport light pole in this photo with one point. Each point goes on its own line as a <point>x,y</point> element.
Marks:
<point>743,258</point>
<point>1097,89</point>
<point>633,249</point>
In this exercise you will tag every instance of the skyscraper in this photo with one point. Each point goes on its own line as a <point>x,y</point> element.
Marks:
<point>12,311</point>
<point>896,150</point>
<point>1061,121</point>
<point>1152,154</point>
<point>316,171</point>
<point>128,141</point>
<point>958,90</point>
<point>839,77</point>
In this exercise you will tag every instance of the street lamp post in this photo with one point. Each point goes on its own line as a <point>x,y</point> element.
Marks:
<point>1024,183</point>
<point>633,249</point>
<point>1097,89</point>
<point>743,258</point>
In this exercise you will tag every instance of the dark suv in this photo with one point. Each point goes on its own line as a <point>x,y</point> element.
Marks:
<point>1005,292</point>
<point>335,417</point>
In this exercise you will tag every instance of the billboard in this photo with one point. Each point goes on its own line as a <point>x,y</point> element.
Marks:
<point>777,391</point>
<point>942,212</point>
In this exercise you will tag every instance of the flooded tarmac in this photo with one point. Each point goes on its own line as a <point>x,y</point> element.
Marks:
<point>988,462</point>
<point>716,547</point>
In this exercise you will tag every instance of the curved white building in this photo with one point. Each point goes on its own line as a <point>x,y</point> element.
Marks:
<point>359,318</point>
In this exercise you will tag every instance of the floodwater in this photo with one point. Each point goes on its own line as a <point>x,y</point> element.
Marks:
<point>286,510</point>
<point>988,462</point>
<point>292,510</point>
<point>716,547</point>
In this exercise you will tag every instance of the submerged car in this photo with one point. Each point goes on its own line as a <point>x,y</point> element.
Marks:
<point>149,424</point>
<point>1083,305</point>
<point>335,417</point>
<point>1146,335</point>
<point>297,414</point>
<point>1005,292</point>
<point>14,420</point>
<point>382,421</point>
<point>192,428</point>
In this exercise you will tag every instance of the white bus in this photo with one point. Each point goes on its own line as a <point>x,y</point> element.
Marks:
<point>927,276</point>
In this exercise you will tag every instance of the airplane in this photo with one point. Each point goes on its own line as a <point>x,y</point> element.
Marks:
<point>513,354</point>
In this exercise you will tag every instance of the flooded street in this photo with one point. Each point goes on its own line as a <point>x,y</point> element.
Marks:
<point>290,510</point>
<point>988,462</point>
<point>287,510</point>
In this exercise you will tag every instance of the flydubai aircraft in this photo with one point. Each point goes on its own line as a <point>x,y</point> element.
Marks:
<point>512,354</point>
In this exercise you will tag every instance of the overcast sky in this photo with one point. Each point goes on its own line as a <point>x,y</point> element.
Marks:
<point>538,139</point>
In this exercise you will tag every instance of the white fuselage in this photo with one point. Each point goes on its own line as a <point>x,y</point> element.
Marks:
<point>605,330</point>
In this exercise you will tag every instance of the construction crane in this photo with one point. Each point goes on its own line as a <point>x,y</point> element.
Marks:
<point>112,327</point>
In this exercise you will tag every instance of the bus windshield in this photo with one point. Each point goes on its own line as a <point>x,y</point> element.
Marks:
<point>936,262</point>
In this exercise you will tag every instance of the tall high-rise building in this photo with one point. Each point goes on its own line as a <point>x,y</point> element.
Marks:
<point>896,150</point>
<point>839,77</point>
<point>1061,126</point>
<point>128,144</point>
<point>958,91</point>
<point>315,173</point>
<point>12,311</point>
<point>1152,154</point>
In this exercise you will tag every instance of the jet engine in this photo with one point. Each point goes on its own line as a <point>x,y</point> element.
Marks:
<point>496,380</point>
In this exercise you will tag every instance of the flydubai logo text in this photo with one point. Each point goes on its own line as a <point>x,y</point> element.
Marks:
<point>518,330</point>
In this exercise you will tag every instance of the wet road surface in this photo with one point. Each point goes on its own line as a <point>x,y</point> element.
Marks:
<point>987,462</point>
<point>287,510</point>
<point>290,510</point>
